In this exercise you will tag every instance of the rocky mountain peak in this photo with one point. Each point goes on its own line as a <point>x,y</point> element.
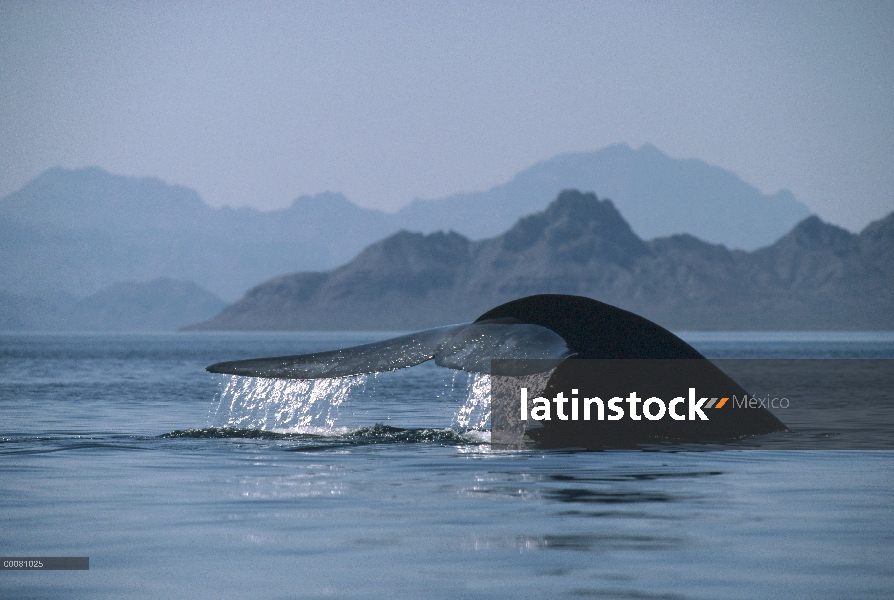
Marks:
<point>578,227</point>
<point>411,250</point>
<point>812,234</point>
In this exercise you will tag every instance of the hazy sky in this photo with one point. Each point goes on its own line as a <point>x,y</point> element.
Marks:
<point>258,103</point>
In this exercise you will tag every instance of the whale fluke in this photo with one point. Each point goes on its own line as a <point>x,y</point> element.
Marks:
<point>594,329</point>
<point>627,353</point>
<point>469,347</point>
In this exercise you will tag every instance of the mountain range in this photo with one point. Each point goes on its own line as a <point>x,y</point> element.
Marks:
<point>159,305</point>
<point>75,232</point>
<point>816,276</point>
<point>658,196</point>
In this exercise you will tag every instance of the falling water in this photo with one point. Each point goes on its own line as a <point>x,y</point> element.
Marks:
<point>312,405</point>
<point>475,412</point>
<point>282,405</point>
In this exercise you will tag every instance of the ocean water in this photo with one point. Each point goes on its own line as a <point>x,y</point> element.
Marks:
<point>181,484</point>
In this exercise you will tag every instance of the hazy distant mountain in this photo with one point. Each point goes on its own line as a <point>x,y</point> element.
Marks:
<point>79,231</point>
<point>658,195</point>
<point>817,276</point>
<point>76,232</point>
<point>159,305</point>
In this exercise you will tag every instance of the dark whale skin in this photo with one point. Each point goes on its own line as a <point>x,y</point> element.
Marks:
<point>629,353</point>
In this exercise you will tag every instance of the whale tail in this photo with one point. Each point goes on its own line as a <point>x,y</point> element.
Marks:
<point>468,347</point>
<point>554,334</point>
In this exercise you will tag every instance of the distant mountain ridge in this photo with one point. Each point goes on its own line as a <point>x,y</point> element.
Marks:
<point>817,276</point>
<point>158,305</point>
<point>78,231</point>
<point>658,195</point>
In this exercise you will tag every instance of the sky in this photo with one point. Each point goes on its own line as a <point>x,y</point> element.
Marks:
<point>257,103</point>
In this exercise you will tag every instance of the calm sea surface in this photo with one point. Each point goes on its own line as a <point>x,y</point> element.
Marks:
<point>181,484</point>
